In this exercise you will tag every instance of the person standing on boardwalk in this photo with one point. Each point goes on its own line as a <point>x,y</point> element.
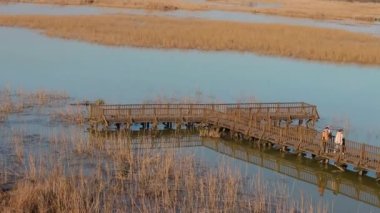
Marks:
<point>330,139</point>
<point>326,133</point>
<point>339,138</point>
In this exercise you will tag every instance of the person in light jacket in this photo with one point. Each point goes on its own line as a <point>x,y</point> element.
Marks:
<point>326,134</point>
<point>339,138</point>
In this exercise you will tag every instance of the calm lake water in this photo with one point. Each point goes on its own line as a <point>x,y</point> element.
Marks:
<point>346,95</point>
<point>24,9</point>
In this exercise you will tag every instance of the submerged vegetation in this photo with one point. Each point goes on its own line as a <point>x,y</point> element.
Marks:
<point>17,101</point>
<point>70,115</point>
<point>158,32</point>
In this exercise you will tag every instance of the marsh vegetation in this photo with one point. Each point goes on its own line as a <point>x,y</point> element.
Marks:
<point>113,177</point>
<point>17,101</point>
<point>68,169</point>
<point>361,10</point>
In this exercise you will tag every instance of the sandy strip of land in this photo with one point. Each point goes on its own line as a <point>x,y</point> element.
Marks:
<point>160,32</point>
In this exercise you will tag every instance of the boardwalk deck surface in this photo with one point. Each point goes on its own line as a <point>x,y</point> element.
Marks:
<point>270,122</point>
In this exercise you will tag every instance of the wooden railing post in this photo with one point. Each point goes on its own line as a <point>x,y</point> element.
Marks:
<point>362,154</point>
<point>300,138</point>
<point>168,113</point>
<point>280,140</point>
<point>303,107</point>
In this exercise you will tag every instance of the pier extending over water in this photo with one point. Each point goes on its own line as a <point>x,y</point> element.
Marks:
<point>287,126</point>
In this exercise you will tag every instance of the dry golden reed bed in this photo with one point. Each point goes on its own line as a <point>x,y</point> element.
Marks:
<point>17,101</point>
<point>316,9</point>
<point>68,170</point>
<point>159,32</point>
<point>136,4</point>
<point>106,174</point>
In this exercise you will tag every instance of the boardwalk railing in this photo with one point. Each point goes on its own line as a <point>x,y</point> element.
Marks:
<point>274,111</point>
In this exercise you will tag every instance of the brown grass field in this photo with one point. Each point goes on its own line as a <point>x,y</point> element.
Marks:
<point>316,9</point>
<point>158,32</point>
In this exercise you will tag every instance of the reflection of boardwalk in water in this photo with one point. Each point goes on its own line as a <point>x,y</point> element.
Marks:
<point>366,192</point>
<point>166,142</point>
<point>322,179</point>
<point>273,123</point>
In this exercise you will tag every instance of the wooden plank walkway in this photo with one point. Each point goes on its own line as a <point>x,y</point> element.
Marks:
<point>269,122</point>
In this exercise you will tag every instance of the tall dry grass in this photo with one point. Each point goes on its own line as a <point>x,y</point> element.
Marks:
<point>17,101</point>
<point>17,141</point>
<point>75,114</point>
<point>41,97</point>
<point>136,4</point>
<point>7,104</point>
<point>158,32</point>
<point>121,179</point>
<point>316,9</point>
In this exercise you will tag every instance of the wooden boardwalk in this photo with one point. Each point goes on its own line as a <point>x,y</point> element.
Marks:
<point>289,126</point>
